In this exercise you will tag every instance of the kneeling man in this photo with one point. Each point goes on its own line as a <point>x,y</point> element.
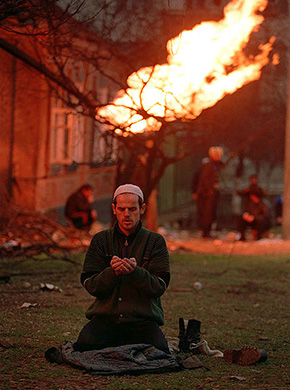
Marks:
<point>127,270</point>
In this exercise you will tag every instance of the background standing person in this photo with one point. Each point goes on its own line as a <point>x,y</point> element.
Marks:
<point>208,188</point>
<point>279,210</point>
<point>79,209</point>
<point>126,269</point>
<point>198,200</point>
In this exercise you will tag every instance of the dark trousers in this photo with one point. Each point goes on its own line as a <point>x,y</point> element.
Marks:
<point>78,222</point>
<point>209,206</point>
<point>103,333</point>
<point>261,224</point>
<point>199,212</point>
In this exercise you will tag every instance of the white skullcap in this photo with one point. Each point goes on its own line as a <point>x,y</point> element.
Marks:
<point>128,189</point>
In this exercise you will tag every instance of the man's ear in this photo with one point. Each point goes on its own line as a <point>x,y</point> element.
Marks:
<point>142,209</point>
<point>114,209</point>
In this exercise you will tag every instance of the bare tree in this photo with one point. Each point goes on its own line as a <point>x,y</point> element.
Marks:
<point>106,38</point>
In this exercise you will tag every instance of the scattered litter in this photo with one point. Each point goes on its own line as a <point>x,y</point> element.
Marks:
<point>173,343</point>
<point>10,247</point>
<point>204,349</point>
<point>86,242</point>
<point>233,236</point>
<point>269,241</point>
<point>34,233</point>
<point>184,234</point>
<point>12,244</point>
<point>263,338</point>
<point>66,334</point>
<point>209,380</point>
<point>178,247</point>
<point>163,231</point>
<point>57,235</point>
<point>26,285</point>
<point>49,287</point>
<point>197,286</point>
<point>236,378</point>
<point>26,305</point>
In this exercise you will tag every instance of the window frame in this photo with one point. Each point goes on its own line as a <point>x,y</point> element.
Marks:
<point>66,147</point>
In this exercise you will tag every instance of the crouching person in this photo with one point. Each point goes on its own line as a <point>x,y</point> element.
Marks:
<point>256,216</point>
<point>126,269</point>
<point>78,208</point>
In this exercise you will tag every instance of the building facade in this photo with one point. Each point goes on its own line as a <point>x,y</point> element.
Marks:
<point>49,147</point>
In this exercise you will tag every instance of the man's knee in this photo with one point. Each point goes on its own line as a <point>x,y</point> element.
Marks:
<point>154,335</point>
<point>94,335</point>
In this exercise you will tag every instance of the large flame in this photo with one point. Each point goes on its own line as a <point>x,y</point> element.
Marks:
<point>204,64</point>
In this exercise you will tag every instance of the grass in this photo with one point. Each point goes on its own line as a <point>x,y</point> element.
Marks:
<point>243,301</point>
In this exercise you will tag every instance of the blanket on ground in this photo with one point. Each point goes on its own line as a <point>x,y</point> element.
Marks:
<point>132,359</point>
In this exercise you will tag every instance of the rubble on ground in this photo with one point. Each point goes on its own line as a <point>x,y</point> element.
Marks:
<point>31,233</point>
<point>222,242</point>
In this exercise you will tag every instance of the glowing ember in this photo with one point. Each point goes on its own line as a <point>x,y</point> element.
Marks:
<point>204,64</point>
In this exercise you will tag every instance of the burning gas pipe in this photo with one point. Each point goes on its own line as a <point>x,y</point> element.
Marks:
<point>204,64</point>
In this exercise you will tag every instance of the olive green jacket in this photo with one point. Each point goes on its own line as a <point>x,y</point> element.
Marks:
<point>129,297</point>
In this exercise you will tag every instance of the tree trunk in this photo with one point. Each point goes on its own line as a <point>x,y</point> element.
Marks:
<point>152,212</point>
<point>286,195</point>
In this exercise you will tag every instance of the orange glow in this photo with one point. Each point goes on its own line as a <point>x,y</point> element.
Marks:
<point>203,65</point>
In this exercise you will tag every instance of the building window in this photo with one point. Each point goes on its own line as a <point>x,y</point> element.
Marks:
<point>66,137</point>
<point>103,145</point>
<point>67,126</point>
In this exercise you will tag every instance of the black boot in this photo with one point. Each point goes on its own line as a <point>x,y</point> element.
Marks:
<point>182,345</point>
<point>189,339</point>
<point>193,336</point>
<point>54,355</point>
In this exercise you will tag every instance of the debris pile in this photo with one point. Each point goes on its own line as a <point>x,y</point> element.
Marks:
<point>32,233</point>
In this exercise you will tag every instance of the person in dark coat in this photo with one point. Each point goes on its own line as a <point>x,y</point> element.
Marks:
<point>126,269</point>
<point>198,200</point>
<point>79,209</point>
<point>256,216</point>
<point>279,210</point>
<point>208,189</point>
<point>253,187</point>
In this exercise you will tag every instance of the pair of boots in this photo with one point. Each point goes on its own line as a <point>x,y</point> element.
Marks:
<point>189,338</point>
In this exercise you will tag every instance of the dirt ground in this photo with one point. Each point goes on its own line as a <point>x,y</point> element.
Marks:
<point>222,245</point>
